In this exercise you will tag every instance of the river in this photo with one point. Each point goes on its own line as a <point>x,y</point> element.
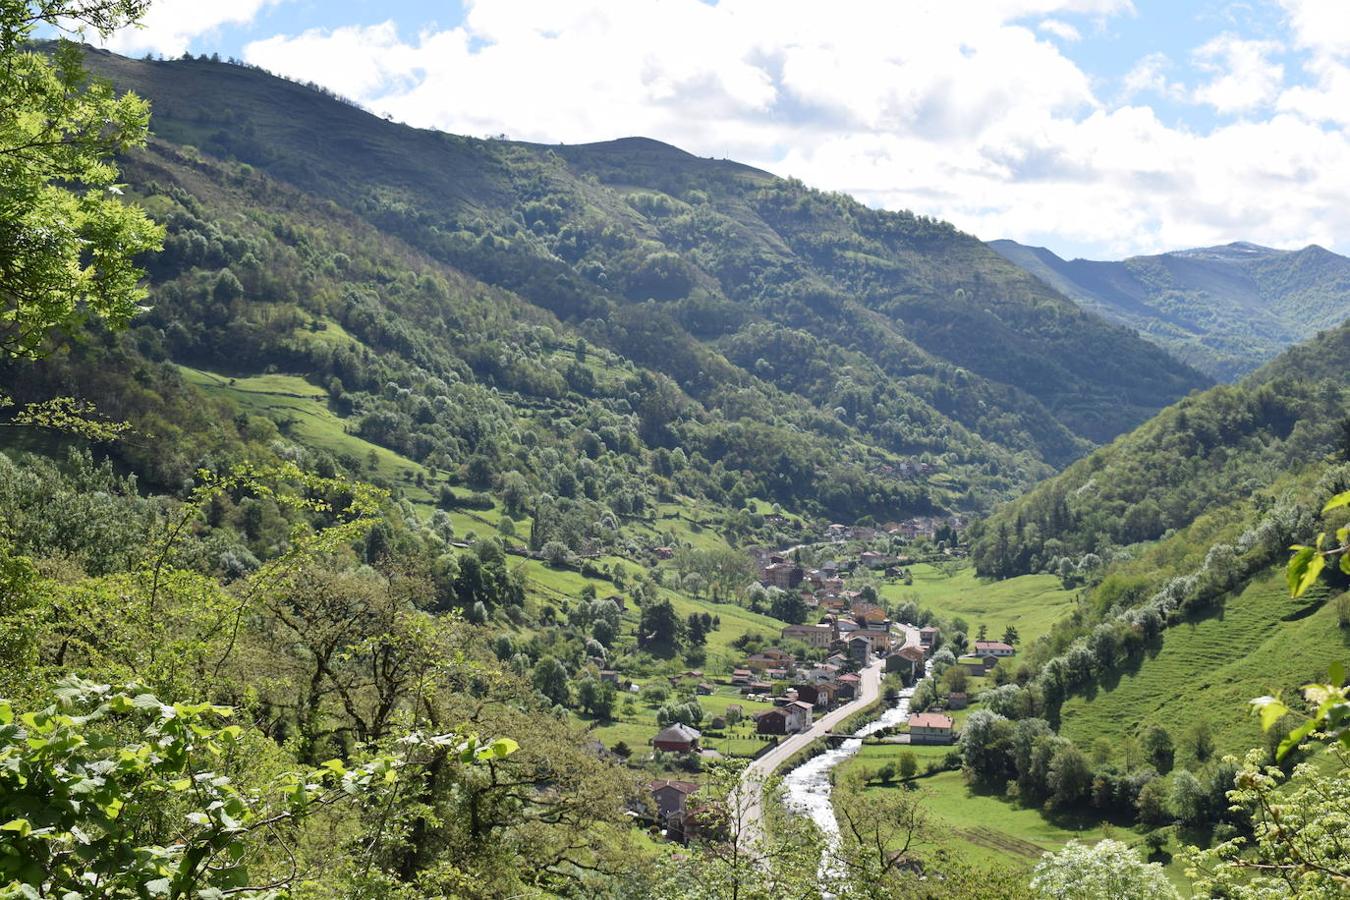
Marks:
<point>807,788</point>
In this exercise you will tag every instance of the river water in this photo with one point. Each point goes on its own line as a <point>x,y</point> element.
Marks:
<point>807,787</point>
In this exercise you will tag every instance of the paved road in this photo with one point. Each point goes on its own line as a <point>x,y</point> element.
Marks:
<point>752,801</point>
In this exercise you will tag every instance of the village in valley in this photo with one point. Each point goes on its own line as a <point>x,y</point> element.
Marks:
<point>798,690</point>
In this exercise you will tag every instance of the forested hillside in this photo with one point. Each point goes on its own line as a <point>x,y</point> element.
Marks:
<point>714,274</point>
<point>1225,310</point>
<point>1195,456</point>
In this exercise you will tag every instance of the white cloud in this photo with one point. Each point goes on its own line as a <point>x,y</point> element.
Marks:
<point>1244,78</point>
<point>171,25</point>
<point>1060,29</point>
<point>1149,76</point>
<point>964,111</point>
<point>1320,25</point>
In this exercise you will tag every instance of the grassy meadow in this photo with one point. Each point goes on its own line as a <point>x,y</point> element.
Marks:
<point>1030,603</point>
<point>1260,643</point>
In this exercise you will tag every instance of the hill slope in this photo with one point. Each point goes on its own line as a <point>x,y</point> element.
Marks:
<point>1224,310</point>
<point>1193,457</point>
<point>703,268</point>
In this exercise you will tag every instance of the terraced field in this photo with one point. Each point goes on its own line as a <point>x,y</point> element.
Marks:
<point>1260,643</point>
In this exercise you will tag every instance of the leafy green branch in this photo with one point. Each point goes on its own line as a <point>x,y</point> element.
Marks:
<point>83,781</point>
<point>1309,561</point>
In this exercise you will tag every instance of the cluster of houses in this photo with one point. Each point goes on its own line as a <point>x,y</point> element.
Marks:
<point>824,587</point>
<point>814,687</point>
<point>841,626</point>
<point>909,530</point>
<point>907,469</point>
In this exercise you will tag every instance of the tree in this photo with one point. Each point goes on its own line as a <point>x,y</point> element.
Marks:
<point>1297,848</point>
<point>1200,741</point>
<point>1106,869</point>
<point>557,554</point>
<point>954,679</point>
<point>659,628</point>
<point>596,697</point>
<point>1010,635</point>
<point>909,764</point>
<point>1070,776</point>
<point>982,633</point>
<point>550,679</point>
<point>985,744</point>
<point>129,757</point>
<point>1157,747</point>
<point>877,830</point>
<point>788,606</point>
<point>1188,799</point>
<point>66,241</point>
<point>695,630</point>
<point>1152,802</point>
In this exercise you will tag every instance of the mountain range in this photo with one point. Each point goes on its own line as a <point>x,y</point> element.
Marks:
<point>804,344</point>
<point>1225,310</point>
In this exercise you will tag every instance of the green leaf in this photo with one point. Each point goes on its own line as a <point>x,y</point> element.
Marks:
<point>503,747</point>
<point>1304,567</point>
<point>1295,738</point>
<point>1311,574</point>
<point>1298,564</point>
<point>21,826</point>
<point>1336,673</point>
<point>1336,502</point>
<point>1271,711</point>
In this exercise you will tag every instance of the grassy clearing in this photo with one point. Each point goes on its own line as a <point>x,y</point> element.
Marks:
<point>636,724</point>
<point>1260,643</point>
<point>301,411</point>
<point>986,829</point>
<point>1030,603</point>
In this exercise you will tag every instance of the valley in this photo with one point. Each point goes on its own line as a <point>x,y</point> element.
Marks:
<point>439,516</point>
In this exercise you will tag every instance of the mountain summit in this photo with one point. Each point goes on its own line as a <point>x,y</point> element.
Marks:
<point>1225,309</point>
<point>719,276</point>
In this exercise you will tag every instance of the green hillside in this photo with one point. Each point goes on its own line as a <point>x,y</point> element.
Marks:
<point>1208,669</point>
<point>1225,310</point>
<point>1193,457</point>
<point>672,260</point>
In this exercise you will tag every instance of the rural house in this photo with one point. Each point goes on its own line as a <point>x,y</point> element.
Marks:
<point>930,728</point>
<point>812,635</point>
<point>677,738</point>
<point>860,649</point>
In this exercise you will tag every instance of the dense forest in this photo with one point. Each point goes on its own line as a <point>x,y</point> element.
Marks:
<point>1196,456</point>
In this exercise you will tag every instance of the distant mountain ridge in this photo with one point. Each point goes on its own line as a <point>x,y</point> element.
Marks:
<point>1225,310</point>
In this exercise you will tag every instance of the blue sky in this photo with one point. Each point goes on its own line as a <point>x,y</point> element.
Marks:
<point>1097,128</point>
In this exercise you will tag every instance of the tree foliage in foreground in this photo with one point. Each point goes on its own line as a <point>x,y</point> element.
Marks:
<point>67,241</point>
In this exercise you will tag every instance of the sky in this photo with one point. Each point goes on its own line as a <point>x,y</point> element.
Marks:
<point>1097,128</point>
